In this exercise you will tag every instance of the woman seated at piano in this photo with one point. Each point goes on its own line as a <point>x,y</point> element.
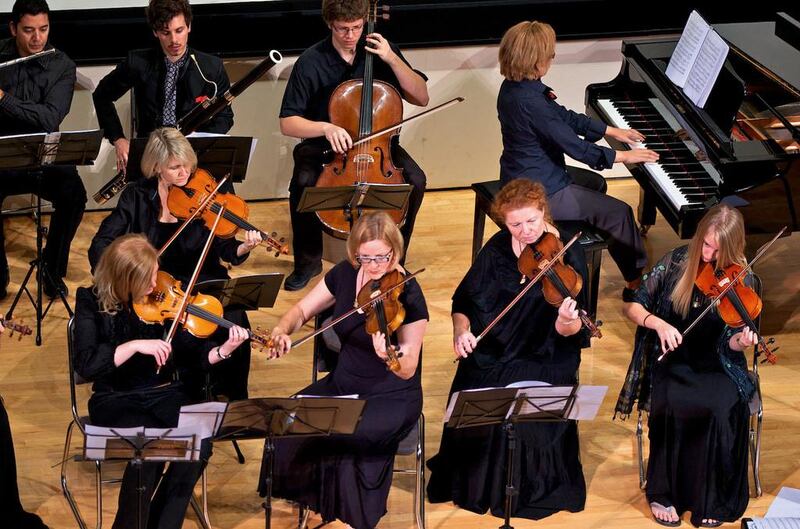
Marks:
<point>136,374</point>
<point>538,132</point>
<point>534,341</point>
<point>348,477</point>
<point>698,393</point>
<point>168,160</point>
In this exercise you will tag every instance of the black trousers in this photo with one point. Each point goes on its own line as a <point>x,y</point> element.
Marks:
<point>163,507</point>
<point>306,227</point>
<point>13,513</point>
<point>586,200</point>
<point>63,187</point>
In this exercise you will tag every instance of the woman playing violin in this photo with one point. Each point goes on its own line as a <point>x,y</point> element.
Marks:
<point>122,356</point>
<point>169,160</point>
<point>357,468</point>
<point>534,341</point>
<point>698,394</point>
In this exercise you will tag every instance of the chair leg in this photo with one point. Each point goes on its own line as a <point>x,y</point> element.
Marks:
<point>419,496</point>
<point>302,516</point>
<point>640,451</point>
<point>756,452</point>
<point>201,509</point>
<point>65,483</point>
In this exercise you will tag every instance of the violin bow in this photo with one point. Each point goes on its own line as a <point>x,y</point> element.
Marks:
<point>736,279</point>
<point>532,282</point>
<point>361,307</point>
<point>190,285</point>
<point>399,124</point>
<point>203,205</point>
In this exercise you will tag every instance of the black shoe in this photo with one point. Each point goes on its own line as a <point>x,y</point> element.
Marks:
<point>300,278</point>
<point>5,279</point>
<point>52,288</point>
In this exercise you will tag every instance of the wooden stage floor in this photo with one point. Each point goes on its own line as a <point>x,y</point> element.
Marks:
<point>34,383</point>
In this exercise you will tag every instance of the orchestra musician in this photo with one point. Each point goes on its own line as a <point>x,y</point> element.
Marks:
<point>348,477</point>
<point>534,341</point>
<point>137,375</point>
<point>168,80</point>
<point>538,132</point>
<point>35,96</point>
<point>698,394</point>
<point>304,114</point>
<point>169,160</point>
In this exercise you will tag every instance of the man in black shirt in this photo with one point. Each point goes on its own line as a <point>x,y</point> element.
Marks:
<point>304,114</point>
<point>169,80</point>
<point>35,96</point>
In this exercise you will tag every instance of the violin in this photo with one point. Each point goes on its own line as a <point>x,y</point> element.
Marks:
<point>184,201</point>
<point>203,313</point>
<point>386,313</point>
<point>738,306</point>
<point>19,328</point>
<point>559,281</point>
<point>361,106</point>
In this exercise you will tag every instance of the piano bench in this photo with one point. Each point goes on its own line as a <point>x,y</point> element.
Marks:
<point>592,242</point>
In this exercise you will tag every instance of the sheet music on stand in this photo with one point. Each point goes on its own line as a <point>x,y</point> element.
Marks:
<point>247,292</point>
<point>157,444</point>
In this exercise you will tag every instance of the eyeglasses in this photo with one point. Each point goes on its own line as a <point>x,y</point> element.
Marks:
<point>345,30</point>
<point>379,259</point>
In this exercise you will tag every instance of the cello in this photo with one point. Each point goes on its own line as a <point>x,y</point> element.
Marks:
<point>361,106</point>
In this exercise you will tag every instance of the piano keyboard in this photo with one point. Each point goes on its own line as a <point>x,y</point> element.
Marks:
<point>685,181</point>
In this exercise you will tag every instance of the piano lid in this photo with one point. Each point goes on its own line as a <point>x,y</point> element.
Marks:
<point>758,42</point>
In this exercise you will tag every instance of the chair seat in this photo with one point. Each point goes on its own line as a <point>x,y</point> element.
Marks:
<point>408,446</point>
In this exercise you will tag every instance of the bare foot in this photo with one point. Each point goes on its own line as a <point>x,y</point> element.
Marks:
<point>665,514</point>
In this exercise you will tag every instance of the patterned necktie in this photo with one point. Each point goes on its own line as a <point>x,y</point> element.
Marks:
<point>170,89</point>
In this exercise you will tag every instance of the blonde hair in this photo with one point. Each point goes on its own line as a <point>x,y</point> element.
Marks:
<point>377,226</point>
<point>124,272</point>
<point>517,194</point>
<point>525,48</point>
<point>727,225</point>
<point>166,143</point>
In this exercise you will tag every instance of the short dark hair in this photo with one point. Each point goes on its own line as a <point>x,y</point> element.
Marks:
<point>344,10</point>
<point>160,12</point>
<point>28,7</point>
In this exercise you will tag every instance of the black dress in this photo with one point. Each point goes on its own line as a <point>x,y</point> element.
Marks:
<point>699,413</point>
<point>348,477</point>
<point>470,468</point>
<point>133,394</point>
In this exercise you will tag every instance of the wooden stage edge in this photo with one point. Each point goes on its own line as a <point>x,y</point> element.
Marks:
<point>34,382</point>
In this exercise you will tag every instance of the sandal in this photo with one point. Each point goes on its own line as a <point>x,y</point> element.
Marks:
<point>665,523</point>
<point>716,523</point>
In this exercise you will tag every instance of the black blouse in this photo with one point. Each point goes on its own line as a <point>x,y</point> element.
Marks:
<point>529,327</point>
<point>359,369</point>
<point>98,334</point>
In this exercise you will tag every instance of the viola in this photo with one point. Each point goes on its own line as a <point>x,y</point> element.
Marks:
<point>738,306</point>
<point>19,328</point>
<point>203,313</point>
<point>559,281</point>
<point>361,106</point>
<point>184,201</point>
<point>386,313</point>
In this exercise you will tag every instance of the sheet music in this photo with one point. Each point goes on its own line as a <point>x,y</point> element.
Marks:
<point>680,64</point>
<point>774,523</point>
<point>785,505</point>
<point>204,418</point>
<point>697,60</point>
<point>253,141</point>
<point>454,397</point>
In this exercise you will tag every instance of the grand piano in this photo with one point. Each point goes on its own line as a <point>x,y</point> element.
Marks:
<point>743,148</point>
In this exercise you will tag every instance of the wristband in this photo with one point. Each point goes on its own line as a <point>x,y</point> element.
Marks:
<point>220,355</point>
<point>644,321</point>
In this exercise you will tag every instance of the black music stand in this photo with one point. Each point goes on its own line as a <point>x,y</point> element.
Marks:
<point>246,292</point>
<point>509,406</point>
<point>32,153</point>
<point>219,155</point>
<point>144,445</point>
<point>354,199</point>
<point>270,418</point>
